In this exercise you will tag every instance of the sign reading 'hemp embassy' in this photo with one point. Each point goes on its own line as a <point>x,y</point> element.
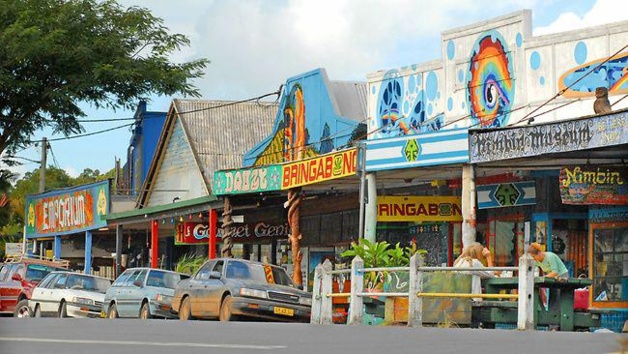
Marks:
<point>573,135</point>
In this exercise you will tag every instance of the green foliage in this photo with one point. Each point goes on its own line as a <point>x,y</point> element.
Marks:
<point>55,54</point>
<point>189,263</point>
<point>380,254</point>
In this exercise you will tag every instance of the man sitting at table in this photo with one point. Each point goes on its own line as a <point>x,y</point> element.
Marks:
<point>549,262</point>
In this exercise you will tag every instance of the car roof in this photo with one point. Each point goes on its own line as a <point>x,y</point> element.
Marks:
<point>157,269</point>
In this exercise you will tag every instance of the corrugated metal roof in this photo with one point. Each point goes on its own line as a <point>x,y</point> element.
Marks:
<point>220,132</point>
<point>351,99</point>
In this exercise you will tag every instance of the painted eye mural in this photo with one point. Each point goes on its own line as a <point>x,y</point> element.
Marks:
<point>490,87</point>
<point>613,75</point>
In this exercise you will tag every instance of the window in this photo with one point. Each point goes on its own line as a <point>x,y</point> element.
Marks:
<point>61,281</point>
<point>237,270</point>
<point>122,278</point>
<point>49,280</point>
<point>610,264</point>
<point>203,272</point>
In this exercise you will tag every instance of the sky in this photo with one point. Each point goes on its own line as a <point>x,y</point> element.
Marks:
<point>255,45</point>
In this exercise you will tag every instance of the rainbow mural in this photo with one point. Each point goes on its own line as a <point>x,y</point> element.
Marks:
<point>490,87</point>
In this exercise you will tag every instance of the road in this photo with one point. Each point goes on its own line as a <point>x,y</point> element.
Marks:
<point>95,336</point>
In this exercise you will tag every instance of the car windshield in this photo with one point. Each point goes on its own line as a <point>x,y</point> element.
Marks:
<point>163,279</point>
<point>258,272</point>
<point>36,272</point>
<point>85,282</point>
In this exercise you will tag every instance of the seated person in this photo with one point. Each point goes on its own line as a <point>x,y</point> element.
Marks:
<point>549,262</point>
<point>471,257</point>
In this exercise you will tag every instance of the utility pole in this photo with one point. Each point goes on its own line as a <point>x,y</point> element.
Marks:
<point>42,167</point>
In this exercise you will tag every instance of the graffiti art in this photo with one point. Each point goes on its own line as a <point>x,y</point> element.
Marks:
<point>490,87</point>
<point>612,74</point>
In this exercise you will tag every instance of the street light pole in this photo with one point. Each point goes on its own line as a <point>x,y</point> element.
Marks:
<point>42,166</point>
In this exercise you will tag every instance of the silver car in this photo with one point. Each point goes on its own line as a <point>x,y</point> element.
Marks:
<point>231,288</point>
<point>142,293</point>
<point>65,294</point>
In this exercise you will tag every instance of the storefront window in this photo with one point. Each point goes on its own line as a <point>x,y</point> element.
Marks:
<point>610,265</point>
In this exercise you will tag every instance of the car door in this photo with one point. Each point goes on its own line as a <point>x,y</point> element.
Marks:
<point>13,288</point>
<point>208,291</point>
<point>5,284</point>
<point>132,294</point>
<point>42,294</point>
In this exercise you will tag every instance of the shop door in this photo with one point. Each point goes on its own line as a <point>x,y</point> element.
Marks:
<point>504,237</point>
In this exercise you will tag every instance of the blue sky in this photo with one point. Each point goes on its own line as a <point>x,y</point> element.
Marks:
<point>254,45</point>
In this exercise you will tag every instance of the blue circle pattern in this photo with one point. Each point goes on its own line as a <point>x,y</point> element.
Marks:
<point>535,60</point>
<point>542,80</point>
<point>580,53</point>
<point>431,86</point>
<point>411,84</point>
<point>450,103</point>
<point>519,39</point>
<point>451,49</point>
<point>460,75</point>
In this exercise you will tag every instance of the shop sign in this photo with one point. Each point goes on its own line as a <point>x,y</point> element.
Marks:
<point>190,233</point>
<point>67,211</point>
<point>610,214</point>
<point>594,185</point>
<point>506,194</point>
<point>251,180</point>
<point>573,135</point>
<point>13,249</point>
<point>418,209</point>
<point>318,169</point>
<point>426,149</point>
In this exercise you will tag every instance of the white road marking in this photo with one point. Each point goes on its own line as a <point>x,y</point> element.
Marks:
<point>172,344</point>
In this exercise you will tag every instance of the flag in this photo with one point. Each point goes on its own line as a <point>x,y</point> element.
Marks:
<point>3,200</point>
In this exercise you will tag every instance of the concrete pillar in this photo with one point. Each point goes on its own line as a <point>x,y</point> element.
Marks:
<point>468,205</point>
<point>57,247</point>
<point>88,253</point>
<point>370,212</point>
<point>154,244</point>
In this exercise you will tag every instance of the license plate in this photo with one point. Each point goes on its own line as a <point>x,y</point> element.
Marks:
<point>283,311</point>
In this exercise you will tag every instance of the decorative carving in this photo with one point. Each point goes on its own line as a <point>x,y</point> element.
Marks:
<point>294,214</point>
<point>601,105</point>
<point>227,230</point>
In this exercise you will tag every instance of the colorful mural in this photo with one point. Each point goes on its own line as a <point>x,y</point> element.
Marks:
<point>307,124</point>
<point>490,83</point>
<point>405,106</point>
<point>612,74</point>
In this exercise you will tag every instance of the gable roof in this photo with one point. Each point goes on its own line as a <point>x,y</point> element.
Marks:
<point>218,132</point>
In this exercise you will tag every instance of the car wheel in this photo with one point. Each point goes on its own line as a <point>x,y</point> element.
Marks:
<point>63,310</point>
<point>185,311</point>
<point>22,310</point>
<point>225,309</point>
<point>37,311</point>
<point>145,311</point>
<point>112,312</point>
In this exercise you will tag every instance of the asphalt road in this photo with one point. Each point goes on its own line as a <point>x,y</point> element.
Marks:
<point>95,336</point>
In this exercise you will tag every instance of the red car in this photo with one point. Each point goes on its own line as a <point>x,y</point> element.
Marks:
<point>18,278</point>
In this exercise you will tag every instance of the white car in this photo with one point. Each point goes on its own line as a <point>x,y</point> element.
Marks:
<point>65,294</point>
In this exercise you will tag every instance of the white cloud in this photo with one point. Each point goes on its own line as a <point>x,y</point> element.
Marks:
<point>604,11</point>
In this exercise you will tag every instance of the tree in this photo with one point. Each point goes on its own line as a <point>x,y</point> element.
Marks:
<point>56,54</point>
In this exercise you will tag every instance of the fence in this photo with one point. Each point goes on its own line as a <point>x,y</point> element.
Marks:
<point>322,307</point>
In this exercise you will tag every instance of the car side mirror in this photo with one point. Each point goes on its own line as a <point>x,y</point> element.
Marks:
<point>138,283</point>
<point>214,275</point>
<point>16,277</point>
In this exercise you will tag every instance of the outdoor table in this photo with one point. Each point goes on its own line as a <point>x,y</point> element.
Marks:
<point>560,301</point>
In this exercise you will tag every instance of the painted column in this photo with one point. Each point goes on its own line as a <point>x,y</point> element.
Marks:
<point>213,228</point>
<point>88,252</point>
<point>154,244</point>
<point>294,216</point>
<point>227,229</point>
<point>370,217</point>
<point>57,247</point>
<point>118,250</point>
<point>468,205</point>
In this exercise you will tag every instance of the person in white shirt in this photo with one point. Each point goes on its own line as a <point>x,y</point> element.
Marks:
<point>471,257</point>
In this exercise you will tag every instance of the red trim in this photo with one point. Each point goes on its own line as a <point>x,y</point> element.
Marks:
<point>213,228</point>
<point>154,244</point>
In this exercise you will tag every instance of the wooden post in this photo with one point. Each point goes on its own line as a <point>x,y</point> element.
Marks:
<point>118,251</point>
<point>227,231</point>
<point>357,286</point>
<point>525,315</point>
<point>213,227</point>
<point>294,216</point>
<point>326,301</point>
<point>317,295</point>
<point>154,244</point>
<point>415,303</point>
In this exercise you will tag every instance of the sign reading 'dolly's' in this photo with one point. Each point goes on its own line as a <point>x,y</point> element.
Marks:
<point>258,179</point>
<point>594,185</point>
<point>67,211</point>
<point>407,209</point>
<point>319,169</point>
<point>189,233</point>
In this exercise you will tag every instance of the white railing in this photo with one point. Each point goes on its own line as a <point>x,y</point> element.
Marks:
<point>322,308</point>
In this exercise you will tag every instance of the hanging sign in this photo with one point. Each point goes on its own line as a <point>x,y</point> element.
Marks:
<point>190,233</point>
<point>251,180</point>
<point>594,185</point>
<point>67,211</point>
<point>419,209</point>
<point>506,194</point>
<point>608,214</point>
<point>318,169</point>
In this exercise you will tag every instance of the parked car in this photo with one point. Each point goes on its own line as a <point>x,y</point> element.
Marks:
<point>64,294</point>
<point>230,288</point>
<point>142,293</point>
<point>18,278</point>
